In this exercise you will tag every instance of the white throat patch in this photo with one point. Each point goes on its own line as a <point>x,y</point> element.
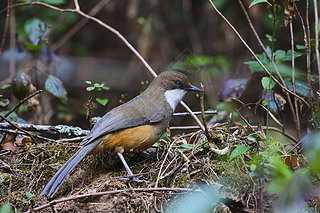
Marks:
<point>174,96</point>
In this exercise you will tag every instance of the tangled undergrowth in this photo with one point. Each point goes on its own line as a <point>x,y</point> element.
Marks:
<point>184,172</point>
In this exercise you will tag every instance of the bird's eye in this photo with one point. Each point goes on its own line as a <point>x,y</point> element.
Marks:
<point>179,84</point>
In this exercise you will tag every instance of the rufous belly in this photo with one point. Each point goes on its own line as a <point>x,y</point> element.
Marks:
<point>133,139</point>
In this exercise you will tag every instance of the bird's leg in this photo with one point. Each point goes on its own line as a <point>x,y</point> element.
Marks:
<point>128,168</point>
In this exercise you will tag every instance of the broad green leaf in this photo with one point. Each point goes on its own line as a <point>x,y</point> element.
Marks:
<point>289,55</point>
<point>25,200</point>
<point>88,82</point>
<point>267,83</point>
<point>102,101</point>
<point>29,195</point>
<point>280,55</point>
<point>6,208</point>
<point>55,87</point>
<point>301,87</point>
<point>253,167</point>
<point>240,149</point>
<point>300,47</point>
<point>254,2</point>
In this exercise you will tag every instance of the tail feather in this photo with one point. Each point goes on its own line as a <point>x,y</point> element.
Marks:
<point>57,180</point>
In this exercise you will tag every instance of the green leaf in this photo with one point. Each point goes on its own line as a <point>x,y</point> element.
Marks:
<point>254,2</point>
<point>255,137</point>
<point>54,2</point>
<point>253,167</point>
<point>6,208</point>
<point>55,87</point>
<point>90,88</point>
<point>267,83</point>
<point>240,149</point>
<point>301,88</point>
<point>280,55</point>
<point>25,200</point>
<point>102,101</point>
<point>97,85</point>
<point>300,47</point>
<point>6,86</point>
<point>252,174</point>
<point>270,39</point>
<point>141,20</point>
<point>289,55</point>
<point>186,146</point>
<point>106,88</point>
<point>32,47</point>
<point>29,195</point>
<point>88,82</point>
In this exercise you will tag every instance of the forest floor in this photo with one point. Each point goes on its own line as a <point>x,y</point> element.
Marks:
<point>184,173</point>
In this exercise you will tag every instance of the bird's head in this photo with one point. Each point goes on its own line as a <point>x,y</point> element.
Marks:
<point>174,85</point>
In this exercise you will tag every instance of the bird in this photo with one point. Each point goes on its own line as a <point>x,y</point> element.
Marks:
<point>131,127</point>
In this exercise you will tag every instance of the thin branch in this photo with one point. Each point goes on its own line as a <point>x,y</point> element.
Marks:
<point>5,28</point>
<point>162,164</point>
<point>209,112</point>
<point>306,38</point>
<point>183,127</point>
<point>53,202</point>
<point>21,102</point>
<point>22,130</point>
<point>253,54</point>
<point>297,119</point>
<point>192,115</point>
<point>316,31</point>
<point>202,113</point>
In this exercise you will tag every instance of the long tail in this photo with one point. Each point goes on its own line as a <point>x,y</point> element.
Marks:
<point>57,180</point>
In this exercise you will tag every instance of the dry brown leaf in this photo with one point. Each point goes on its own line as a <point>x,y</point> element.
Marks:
<point>8,143</point>
<point>240,126</point>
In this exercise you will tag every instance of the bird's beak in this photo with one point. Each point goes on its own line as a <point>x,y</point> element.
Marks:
<point>192,88</point>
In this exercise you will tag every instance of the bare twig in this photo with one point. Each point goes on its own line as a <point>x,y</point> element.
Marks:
<point>192,115</point>
<point>59,129</point>
<point>244,119</point>
<point>164,160</point>
<point>5,28</point>
<point>306,38</point>
<point>22,130</point>
<point>53,202</point>
<point>297,119</point>
<point>21,102</point>
<point>196,113</point>
<point>202,113</point>
<point>254,55</point>
<point>316,31</point>
<point>183,127</point>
